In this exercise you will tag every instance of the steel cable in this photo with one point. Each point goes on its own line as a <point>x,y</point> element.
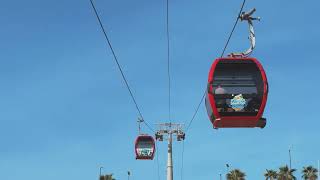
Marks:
<point>118,64</point>
<point>168,62</point>
<point>234,27</point>
<point>224,49</point>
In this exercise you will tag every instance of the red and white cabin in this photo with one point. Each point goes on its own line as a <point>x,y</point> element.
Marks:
<point>145,147</point>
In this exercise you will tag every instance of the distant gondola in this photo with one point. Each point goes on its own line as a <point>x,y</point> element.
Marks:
<point>145,147</point>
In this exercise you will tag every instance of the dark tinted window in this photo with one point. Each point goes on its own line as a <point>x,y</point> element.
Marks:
<point>237,88</point>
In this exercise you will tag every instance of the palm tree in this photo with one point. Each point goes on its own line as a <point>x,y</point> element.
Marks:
<point>285,173</point>
<point>107,177</point>
<point>309,173</point>
<point>270,174</point>
<point>236,174</point>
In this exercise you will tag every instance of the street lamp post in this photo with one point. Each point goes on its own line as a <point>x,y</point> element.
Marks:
<point>227,167</point>
<point>129,175</point>
<point>100,171</point>
<point>318,169</point>
<point>290,158</point>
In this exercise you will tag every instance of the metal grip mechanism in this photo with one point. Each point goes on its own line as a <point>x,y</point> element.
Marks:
<point>140,120</point>
<point>247,16</point>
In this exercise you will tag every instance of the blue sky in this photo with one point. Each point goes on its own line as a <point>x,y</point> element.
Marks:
<point>65,110</point>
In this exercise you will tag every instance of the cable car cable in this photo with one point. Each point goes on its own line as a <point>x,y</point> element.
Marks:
<point>224,49</point>
<point>234,27</point>
<point>118,64</point>
<point>197,109</point>
<point>168,61</point>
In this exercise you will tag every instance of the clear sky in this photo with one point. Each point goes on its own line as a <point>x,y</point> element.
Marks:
<point>65,111</point>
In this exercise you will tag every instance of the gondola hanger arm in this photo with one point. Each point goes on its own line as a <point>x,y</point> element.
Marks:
<point>140,120</point>
<point>247,16</point>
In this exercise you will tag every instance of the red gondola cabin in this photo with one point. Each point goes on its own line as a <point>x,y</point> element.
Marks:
<point>237,93</point>
<point>145,147</point>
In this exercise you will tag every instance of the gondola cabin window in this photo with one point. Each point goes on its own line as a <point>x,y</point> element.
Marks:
<point>237,87</point>
<point>145,149</point>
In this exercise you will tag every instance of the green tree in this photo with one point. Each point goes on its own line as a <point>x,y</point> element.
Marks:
<point>236,174</point>
<point>285,173</point>
<point>270,174</point>
<point>309,173</point>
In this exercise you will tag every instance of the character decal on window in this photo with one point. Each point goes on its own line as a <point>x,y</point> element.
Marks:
<point>238,103</point>
<point>145,152</point>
